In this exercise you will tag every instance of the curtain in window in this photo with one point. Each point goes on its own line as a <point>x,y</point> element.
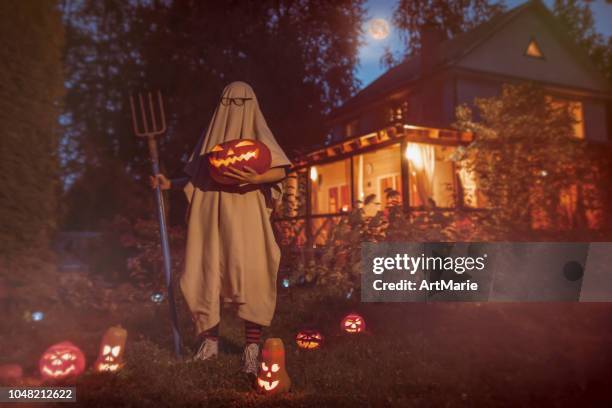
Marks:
<point>422,159</point>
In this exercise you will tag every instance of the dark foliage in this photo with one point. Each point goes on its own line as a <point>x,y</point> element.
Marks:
<point>530,165</point>
<point>31,38</point>
<point>450,17</point>
<point>299,56</point>
<point>576,18</point>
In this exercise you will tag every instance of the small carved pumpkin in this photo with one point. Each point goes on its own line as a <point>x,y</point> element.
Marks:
<point>60,361</point>
<point>112,347</point>
<point>309,339</point>
<point>272,377</point>
<point>353,323</point>
<point>238,153</point>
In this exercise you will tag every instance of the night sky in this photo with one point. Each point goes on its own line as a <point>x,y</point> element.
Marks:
<point>372,50</point>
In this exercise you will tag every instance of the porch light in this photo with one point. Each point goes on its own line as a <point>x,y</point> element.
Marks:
<point>413,154</point>
<point>314,174</point>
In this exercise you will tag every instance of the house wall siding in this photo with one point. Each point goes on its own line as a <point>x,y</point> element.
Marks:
<point>594,110</point>
<point>374,120</point>
<point>449,94</point>
<point>595,120</point>
<point>482,71</point>
<point>503,53</point>
<point>467,89</point>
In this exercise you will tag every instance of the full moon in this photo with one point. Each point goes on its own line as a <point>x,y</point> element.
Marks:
<point>378,28</point>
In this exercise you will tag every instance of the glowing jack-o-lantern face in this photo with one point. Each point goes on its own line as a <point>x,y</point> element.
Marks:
<point>309,339</point>
<point>112,346</point>
<point>272,377</point>
<point>61,361</point>
<point>238,153</point>
<point>353,323</point>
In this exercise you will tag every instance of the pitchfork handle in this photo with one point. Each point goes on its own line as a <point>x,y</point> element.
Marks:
<point>153,152</point>
<point>163,232</point>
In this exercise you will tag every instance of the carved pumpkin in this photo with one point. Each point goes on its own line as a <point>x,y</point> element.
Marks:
<point>309,339</point>
<point>60,361</point>
<point>353,323</point>
<point>238,153</point>
<point>272,377</point>
<point>112,346</point>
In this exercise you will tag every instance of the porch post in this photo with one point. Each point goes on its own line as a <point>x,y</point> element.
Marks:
<point>352,183</point>
<point>459,193</point>
<point>308,220</point>
<point>405,176</point>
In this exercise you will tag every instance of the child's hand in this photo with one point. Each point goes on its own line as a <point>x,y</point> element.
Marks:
<point>160,180</point>
<point>248,176</point>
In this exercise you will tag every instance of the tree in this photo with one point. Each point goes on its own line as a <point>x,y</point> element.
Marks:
<point>31,89</point>
<point>577,20</point>
<point>452,17</point>
<point>100,155</point>
<point>299,56</point>
<point>525,157</point>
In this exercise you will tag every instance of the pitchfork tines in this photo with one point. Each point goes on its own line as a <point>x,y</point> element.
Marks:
<point>157,121</point>
<point>155,117</point>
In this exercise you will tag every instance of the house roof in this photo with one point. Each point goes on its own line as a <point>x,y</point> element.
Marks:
<point>447,53</point>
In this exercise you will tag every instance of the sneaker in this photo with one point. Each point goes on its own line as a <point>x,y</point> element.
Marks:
<point>249,359</point>
<point>208,349</point>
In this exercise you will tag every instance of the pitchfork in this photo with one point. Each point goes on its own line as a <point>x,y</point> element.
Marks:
<point>150,133</point>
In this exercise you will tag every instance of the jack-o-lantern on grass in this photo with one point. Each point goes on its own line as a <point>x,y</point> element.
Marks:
<point>309,339</point>
<point>272,377</point>
<point>112,347</point>
<point>61,361</point>
<point>238,153</point>
<point>353,323</point>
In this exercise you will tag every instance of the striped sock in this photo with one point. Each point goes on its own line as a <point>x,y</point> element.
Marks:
<point>212,334</point>
<point>252,332</point>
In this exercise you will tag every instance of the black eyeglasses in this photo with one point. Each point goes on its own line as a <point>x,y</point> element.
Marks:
<point>235,101</point>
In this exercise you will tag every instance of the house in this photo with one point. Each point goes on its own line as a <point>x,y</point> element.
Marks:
<point>395,134</point>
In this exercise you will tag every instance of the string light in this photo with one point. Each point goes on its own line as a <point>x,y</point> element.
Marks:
<point>314,174</point>
<point>413,154</point>
<point>37,316</point>
<point>350,293</point>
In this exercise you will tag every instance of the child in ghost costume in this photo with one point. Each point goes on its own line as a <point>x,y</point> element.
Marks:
<point>231,253</point>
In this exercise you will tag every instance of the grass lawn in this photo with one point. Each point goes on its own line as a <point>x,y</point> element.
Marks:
<point>411,355</point>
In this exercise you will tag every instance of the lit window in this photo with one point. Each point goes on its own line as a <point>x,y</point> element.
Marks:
<point>377,179</point>
<point>533,50</point>
<point>398,113</point>
<point>351,129</point>
<point>331,187</point>
<point>431,175</point>
<point>575,109</point>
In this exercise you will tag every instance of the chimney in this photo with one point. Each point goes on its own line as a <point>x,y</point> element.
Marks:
<point>431,37</point>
